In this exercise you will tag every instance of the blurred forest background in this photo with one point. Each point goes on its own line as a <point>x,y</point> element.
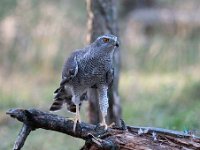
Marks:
<point>160,71</point>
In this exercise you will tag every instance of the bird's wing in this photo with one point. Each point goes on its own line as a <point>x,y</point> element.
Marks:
<point>110,77</point>
<point>70,68</point>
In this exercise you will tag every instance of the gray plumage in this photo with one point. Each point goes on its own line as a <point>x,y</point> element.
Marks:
<point>90,67</point>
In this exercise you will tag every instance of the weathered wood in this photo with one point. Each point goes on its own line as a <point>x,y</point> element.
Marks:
<point>123,138</point>
<point>21,138</point>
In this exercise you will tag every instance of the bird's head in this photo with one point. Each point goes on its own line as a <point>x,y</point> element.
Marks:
<point>107,42</point>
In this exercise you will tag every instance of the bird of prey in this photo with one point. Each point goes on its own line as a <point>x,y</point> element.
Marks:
<point>90,67</point>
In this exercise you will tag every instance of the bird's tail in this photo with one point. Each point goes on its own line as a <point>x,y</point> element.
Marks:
<point>64,96</point>
<point>59,99</point>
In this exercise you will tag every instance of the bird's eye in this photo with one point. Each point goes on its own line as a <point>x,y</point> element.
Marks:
<point>106,40</point>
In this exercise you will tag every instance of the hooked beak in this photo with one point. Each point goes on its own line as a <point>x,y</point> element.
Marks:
<point>117,43</point>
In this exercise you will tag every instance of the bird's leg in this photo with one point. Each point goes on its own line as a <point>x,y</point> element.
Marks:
<point>77,117</point>
<point>76,100</point>
<point>103,123</point>
<point>103,103</point>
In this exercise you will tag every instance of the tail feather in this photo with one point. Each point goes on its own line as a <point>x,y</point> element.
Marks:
<point>56,91</point>
<point>63,96</point>
<point>57,105</point>
<point>58,99</point>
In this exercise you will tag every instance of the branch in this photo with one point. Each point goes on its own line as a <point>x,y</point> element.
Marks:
<point>38,119</point>
<point>19,143</point>
<point>160,131</point>
<point>124,137</point>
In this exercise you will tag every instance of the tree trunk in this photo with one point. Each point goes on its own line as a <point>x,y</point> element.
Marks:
<point>127,6</point>
<point>102,18</point>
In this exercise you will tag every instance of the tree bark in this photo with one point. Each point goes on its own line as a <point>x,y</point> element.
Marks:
<point>96,138</point>
<point>102,18</point>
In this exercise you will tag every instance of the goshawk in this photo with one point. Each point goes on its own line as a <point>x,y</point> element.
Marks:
<point>90,67</point>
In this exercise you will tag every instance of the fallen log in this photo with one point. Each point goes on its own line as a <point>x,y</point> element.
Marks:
<point>96,138</point>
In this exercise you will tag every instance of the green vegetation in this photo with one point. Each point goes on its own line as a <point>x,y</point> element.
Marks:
<point>171,101</point>
<point>159,85</point>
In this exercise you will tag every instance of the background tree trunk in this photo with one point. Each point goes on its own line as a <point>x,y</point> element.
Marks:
<point>127,6</point>
<point>102,18</point>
